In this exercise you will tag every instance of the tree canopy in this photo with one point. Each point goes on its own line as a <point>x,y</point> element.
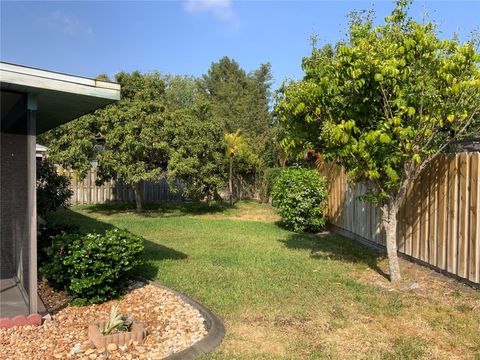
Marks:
<point>172,126</point>
<point>126,138</point>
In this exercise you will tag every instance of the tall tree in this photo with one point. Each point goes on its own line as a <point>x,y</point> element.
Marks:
<point>240,101</point>
<point>134,147</point>
<point>196,160</point>
<point>384,103</point>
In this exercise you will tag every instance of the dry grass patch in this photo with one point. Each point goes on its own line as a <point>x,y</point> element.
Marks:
<point>255,340</point>
<point>246,210</point>
<point>438,317</point>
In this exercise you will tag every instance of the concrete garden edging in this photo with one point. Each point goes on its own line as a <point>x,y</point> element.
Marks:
<point>135,333</point>
<point>213,324</point>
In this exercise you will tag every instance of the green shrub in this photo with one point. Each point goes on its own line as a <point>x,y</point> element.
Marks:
<point>47,231</point>
<point>300,195</point>
<point>53,190</point>
<point>268,179</point>
<point>92,267</point>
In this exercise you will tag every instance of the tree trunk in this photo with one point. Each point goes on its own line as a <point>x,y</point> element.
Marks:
<point>138,196</point>
<point>230,181</point>
<point>389,219</point>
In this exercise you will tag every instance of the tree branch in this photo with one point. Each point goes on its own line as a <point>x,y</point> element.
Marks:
<point>424,164</point>
<point>386,104</point>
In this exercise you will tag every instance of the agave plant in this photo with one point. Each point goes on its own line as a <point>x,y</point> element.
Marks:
<point>116,321</point>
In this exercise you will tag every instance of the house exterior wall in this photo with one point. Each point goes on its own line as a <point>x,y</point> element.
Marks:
<point>15,224</point>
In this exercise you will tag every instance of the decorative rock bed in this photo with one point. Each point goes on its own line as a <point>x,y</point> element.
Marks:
<point>172,321</point>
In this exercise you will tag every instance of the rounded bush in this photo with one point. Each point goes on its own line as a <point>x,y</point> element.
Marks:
<point>300,196</point>
<point>92,267</point>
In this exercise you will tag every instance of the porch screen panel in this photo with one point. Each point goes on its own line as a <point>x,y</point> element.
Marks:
<point>15,225</point>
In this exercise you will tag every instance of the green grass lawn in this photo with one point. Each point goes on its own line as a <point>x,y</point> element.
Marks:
<point>295,296</point>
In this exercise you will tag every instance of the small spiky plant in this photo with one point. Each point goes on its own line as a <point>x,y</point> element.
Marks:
<point>116,321</point>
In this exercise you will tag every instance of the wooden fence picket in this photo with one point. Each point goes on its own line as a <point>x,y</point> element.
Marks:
<point>438,221</point>
<point>86,191</point>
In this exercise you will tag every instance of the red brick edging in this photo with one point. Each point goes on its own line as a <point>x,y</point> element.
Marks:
<point>21,320</point>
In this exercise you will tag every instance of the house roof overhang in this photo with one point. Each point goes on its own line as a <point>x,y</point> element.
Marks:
<point>60,97</point>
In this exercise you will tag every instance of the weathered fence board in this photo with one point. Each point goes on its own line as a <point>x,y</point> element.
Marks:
<point>86,191</point>
<point>438,221</point>
<point>474,217</point>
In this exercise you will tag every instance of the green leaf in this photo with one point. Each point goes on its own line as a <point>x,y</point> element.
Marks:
<point>299,108</point>
<point>384,139</point>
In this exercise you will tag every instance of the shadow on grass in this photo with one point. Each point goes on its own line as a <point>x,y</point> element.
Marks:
<point>335,247</point>
<point>152,252</point>
<point>159,209</point>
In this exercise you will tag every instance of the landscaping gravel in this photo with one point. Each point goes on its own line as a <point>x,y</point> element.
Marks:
<point>172,326</point>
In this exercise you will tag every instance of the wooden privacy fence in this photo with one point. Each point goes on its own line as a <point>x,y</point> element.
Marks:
<point>87,192</point>
<point>438,222</point>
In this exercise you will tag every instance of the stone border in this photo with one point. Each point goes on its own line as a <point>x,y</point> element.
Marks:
<point>213,324</point>
<point>135,333</point>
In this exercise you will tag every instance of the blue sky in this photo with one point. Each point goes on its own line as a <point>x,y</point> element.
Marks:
<point>185,37</point>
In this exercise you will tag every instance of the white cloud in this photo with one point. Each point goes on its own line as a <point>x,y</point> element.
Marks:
<point>222,9</point>
<point>68,24</point>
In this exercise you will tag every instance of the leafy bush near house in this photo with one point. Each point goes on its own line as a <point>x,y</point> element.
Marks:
<point>92,267</point>
<point>268,179</point>
<point>47,231</point>
<point>53,190</point>
<point>300,195</point>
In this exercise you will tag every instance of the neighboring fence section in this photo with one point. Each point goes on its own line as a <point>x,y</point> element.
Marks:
<point>87,192</point>
<point>438,222</point>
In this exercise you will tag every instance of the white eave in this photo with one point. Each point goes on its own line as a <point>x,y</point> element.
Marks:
<point>40,148</point>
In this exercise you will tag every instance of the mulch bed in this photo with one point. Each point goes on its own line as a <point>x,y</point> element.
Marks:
<point>53,300</point>
<point>172,326</point>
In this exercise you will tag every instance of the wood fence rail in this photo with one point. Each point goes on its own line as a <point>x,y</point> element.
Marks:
<point>87,192</point>
<point>438,222</point>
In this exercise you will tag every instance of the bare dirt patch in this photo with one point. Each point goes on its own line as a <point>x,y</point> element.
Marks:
<point>425,283</point>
